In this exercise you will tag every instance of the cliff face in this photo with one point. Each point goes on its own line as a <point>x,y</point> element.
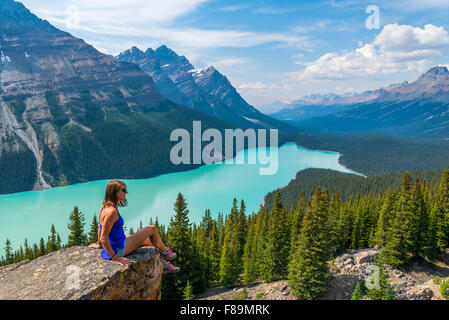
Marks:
<point>70,114</point>
<point>206,90</point>
<point>79,273</point>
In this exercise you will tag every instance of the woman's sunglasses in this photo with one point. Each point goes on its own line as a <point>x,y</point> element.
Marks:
<point>124,190</point>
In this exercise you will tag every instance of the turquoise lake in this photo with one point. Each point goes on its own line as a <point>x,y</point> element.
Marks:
<point>30,214</point>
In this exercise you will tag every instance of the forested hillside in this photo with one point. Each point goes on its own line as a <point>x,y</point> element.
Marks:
<point>346,184</point>
<point>374,153</point>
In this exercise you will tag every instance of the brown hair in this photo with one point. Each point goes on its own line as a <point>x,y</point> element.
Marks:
<point>110,196</point>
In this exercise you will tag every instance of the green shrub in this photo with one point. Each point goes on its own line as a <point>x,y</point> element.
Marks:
<point>359,291</point>
<point>259,295</point>
<point>242,295</point>
<point>437,280</point>
<point>444,289</point>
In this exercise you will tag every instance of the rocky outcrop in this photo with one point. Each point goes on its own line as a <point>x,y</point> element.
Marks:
<point>79,273</point>
<point>422,292</point>
<point>412,283</point>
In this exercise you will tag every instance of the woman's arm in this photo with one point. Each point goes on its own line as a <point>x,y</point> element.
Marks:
<point>98,237</point>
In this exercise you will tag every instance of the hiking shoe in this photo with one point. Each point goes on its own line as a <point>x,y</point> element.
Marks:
<point>169,268</point>
<point>168,254</point>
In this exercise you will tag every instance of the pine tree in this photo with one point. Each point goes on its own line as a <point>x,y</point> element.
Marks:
<point>9,255</point>
<point>229,262</point>
<point>35,251</point>
<point>334,224</point>
<point>308,271</point>
<point>385,218</point>
<point>52,240</point>
<point>161,229</point>
<point>359,291</point>
<point>276,249</point>
<point>21,255</point>
<point>93,233</point>
<point>261,231</point>
<point>28,253</point>
<point>179,240</point>
<point>443,193</point>
<point>188,292</point>
<point>58,242</point>
<point>384,291</point>
<point>76,227</point>
<point>363,223</point>
<point>400,238</point>
<point>214,253</point>
<point>42,248</point>
<point>344,227</point>
<point>201,240</point>
<point>419,232</point>
<point>241,226</point>
<point>249,263</point>
<point>295,224</point>
<point>436,231</point>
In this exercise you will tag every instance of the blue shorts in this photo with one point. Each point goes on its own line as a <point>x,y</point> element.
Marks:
<point>121,251</point>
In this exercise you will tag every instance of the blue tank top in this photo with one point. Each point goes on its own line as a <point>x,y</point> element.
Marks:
<point>116,236</point>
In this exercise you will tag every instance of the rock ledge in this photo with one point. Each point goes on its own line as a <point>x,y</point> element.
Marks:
<point>79,273</point>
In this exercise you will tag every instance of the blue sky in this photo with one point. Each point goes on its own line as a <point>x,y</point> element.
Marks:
<point>271,50</point>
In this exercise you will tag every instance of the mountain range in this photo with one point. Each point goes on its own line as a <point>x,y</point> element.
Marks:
<point>418,109</point>
<point>69,113</point>
<point>206,90</point>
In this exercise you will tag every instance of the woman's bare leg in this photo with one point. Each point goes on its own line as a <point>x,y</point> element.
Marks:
<point>146,243</point>
<point>146,236</point>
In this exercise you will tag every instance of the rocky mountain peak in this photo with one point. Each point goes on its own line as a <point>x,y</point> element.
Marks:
<point>436,74</point>
<point>206,90</point>
<point>134,49</point>
<point>150,52</point>
<point>17,20</point>
<point>168,56</point>
<point>133,53</point>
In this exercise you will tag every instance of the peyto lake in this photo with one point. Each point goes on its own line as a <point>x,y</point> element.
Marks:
<point>30,214</point>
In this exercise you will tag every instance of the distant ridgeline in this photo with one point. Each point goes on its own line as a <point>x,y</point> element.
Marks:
<point>374,153</point>
<point>345,184</point>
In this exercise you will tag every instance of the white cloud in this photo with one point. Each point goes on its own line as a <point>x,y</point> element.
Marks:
<point>116,12</point>
<point>198,38</point>
<point>400,38</point>
<point>268,10</point>
<point>228,62</point>
<point>397,48</point>
<point>259,85</point>
<point>148,19</point>
<point>262,88</point>
<point>415,5</point>
<point>233,8</point>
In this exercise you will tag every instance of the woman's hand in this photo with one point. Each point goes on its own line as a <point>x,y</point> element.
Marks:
<point>95,245</point>
<point>121,260</point>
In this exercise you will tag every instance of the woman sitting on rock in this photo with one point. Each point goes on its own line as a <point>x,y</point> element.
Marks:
<point>115,243</point>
